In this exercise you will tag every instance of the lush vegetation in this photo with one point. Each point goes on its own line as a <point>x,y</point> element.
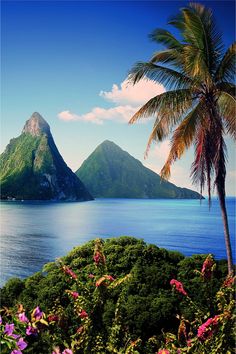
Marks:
<point>110,172</point>
<point>32,168</point>
<point>120,296</point>
<point>198,107</point>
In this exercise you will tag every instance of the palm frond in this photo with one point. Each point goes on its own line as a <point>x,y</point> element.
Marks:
<point>202,166</point>
<point>227,109</point>
<point>182,138</point>
<point>162,36</point>
<point>226,68</point>
<point>212,38</point>
<point>168,56</point>
<point>171,104</point>
<point>177,21</point>
<point>199,32</point>
<point>170,78</point>
<point>227,87</point>
<point>194,64</point>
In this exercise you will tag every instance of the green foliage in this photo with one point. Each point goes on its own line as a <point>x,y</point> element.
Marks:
<point>110,172</point>
<point>32,168</point>
<point>114,296</point>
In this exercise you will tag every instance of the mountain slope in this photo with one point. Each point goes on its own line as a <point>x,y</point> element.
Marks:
<point>110,172</point>
<point>31,167</point>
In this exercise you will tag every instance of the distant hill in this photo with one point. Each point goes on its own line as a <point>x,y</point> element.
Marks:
<point>110,172</point>
<point>31,167</point>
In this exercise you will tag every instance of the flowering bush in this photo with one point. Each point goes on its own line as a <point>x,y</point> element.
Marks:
<point>205,334</point>
<point>78,320</point>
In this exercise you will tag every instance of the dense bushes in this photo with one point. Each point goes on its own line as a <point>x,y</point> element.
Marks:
<point>115,296</point>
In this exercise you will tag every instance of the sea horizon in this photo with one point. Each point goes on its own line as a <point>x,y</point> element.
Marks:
<point>30,239</point>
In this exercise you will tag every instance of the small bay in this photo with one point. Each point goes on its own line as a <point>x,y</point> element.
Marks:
<point>34,233</point>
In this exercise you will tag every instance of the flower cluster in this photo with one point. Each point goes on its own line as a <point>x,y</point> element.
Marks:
<point>69,272</point>
<point>19,341</point>
<point>13,335</point>
<point>83,314</point>
<point>73,294</point>
<point>207,267</point>
<point>178,286</point>
<point>98,257</point>
<point>229,281</point>
<point>206,330</point>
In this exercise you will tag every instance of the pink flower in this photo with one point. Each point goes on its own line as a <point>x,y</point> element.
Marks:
<point>99,258</point>
<point>22,317</point>
<point>21,344</point>
<point>15,336</point>
<point>70,272</point>
<point>9,328</point>
<point>207,267</point>
<point>206,330</point>
<point>16,351</point>
<point>163,351</point>
<point>74,294</point>
<point>83,314</point>
<point>56,350</point>
<point>91,276</point>
<point>0,319</point>
<point>67,351</point>
<point>31,331</point>
<point>178,286</point>
<point>37,313</point>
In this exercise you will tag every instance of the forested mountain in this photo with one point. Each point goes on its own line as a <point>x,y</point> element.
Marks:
<point>110,172</point>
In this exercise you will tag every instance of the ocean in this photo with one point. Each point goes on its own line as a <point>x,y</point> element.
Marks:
<point>34,233</point>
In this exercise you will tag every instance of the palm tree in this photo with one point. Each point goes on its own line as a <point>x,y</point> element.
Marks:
<point>198,107</point>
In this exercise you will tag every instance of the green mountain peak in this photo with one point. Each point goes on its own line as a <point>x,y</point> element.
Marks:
<point>31,167</point>
<point>110,172</point>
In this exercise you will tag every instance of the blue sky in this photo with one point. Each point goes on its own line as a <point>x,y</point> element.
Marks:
<point>63,59</point>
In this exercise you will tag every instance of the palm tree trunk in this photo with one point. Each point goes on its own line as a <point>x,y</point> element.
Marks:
<point>221,196</point>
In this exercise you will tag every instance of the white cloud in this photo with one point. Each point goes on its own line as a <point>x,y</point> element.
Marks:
<point>136,95</point>
<point>161,151</point>
<point>98,115</point>
<point>127,100</point>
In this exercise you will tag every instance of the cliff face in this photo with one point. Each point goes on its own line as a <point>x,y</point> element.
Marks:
<point>110,172</point>
<point>31,167</point>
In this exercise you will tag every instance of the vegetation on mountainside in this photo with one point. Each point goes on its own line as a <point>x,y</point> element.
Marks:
<point>19,164</point>
<point>31,167</point>
<point>120,296</point>
<point>110,172</point>
<point>198,107</point>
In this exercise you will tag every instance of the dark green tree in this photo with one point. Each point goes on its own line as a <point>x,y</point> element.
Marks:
<point>198,107</point>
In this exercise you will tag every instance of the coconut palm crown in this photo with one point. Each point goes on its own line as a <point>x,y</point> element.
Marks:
<point>198,107</point>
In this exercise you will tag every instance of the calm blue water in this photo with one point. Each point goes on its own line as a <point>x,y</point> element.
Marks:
<point>33,233</point>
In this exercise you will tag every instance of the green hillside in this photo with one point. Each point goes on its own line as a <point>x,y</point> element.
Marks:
<point>32,168</point>
<point>110,172</point>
